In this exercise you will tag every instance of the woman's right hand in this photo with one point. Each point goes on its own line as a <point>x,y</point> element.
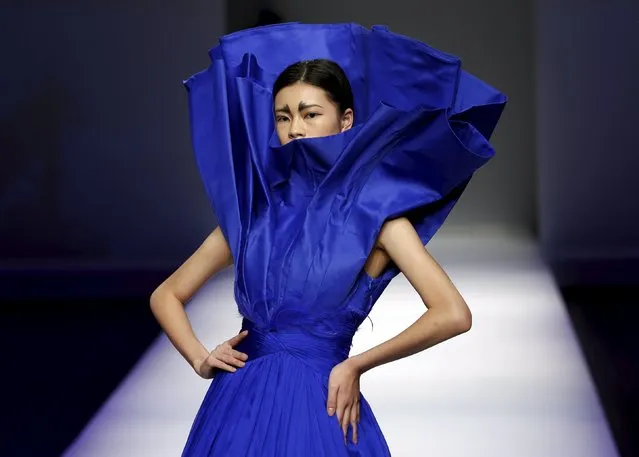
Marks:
<point>223,357</point>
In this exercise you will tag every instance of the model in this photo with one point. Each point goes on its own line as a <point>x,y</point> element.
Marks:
<point>331,154</point>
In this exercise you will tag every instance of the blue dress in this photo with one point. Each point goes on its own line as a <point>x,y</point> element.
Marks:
<point>301,219</point>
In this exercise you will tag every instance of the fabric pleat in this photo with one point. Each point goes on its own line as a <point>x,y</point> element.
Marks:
<point>302,218</point>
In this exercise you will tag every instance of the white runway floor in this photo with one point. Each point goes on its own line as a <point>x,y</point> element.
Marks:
<point>516,385</point>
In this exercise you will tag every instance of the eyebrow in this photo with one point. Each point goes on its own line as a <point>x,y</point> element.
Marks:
<point>300,107</point>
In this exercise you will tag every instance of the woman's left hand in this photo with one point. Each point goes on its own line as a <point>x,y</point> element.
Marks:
<point>343,395</point>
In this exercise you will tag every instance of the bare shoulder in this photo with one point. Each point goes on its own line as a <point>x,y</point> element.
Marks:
<point>401,243</point>
<point>394,230</point>
<point>399,239</point>
<point>211,257</point>
<point>216,244</point>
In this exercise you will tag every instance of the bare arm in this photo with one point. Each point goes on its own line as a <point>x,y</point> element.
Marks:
<point>447,315</point>
<point>168,300</point>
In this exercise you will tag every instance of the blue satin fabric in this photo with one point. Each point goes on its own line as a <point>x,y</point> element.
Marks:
<point>301,219</point>
<point>320,354</point>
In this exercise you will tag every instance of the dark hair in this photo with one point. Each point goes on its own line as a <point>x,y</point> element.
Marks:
<point>322,73</point>
<point>267,17</point>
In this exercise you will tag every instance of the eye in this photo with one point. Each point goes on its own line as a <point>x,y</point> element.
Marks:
<point>279,119</point>
<point>312,115</point>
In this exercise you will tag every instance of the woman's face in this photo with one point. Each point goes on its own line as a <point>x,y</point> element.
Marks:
<point>305,111</point>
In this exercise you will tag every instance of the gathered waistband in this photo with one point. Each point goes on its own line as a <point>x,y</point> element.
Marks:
<point>319,352</point>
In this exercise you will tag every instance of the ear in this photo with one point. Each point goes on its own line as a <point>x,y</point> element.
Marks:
<point>347,119</point>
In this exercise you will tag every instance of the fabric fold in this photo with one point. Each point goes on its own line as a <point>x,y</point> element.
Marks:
<point>301,219</point>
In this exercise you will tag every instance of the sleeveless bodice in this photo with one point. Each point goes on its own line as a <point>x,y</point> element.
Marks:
<point>301,219</point>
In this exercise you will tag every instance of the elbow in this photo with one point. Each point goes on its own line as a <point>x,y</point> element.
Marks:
<point>162,297</point>
<point>462,320</point>
<point>156,297</point>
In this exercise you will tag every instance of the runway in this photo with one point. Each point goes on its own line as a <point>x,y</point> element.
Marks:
<point>516,385</point>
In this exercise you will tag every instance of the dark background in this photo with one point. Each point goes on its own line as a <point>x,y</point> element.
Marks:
<point>100,198</point>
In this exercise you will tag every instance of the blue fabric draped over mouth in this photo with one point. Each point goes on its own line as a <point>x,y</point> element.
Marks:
<point>301,219</point>
<point>422,128</point>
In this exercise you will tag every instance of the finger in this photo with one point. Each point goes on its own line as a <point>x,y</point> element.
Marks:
<point>228,358</point>
<point>237,338</point>
<point>342,411</point>
<point>331,403</point>
<point>239,355</point>
<point>216,363</point>
<point>354,421</point>
<point>344,421</point>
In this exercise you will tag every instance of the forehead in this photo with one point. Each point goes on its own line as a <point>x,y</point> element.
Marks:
<point>300,92</point>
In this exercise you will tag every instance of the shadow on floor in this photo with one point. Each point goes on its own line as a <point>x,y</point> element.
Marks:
<point>603,318</point>
<point>61,362</point>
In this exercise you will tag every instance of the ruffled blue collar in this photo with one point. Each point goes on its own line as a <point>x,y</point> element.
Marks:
<point>309,158</point>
